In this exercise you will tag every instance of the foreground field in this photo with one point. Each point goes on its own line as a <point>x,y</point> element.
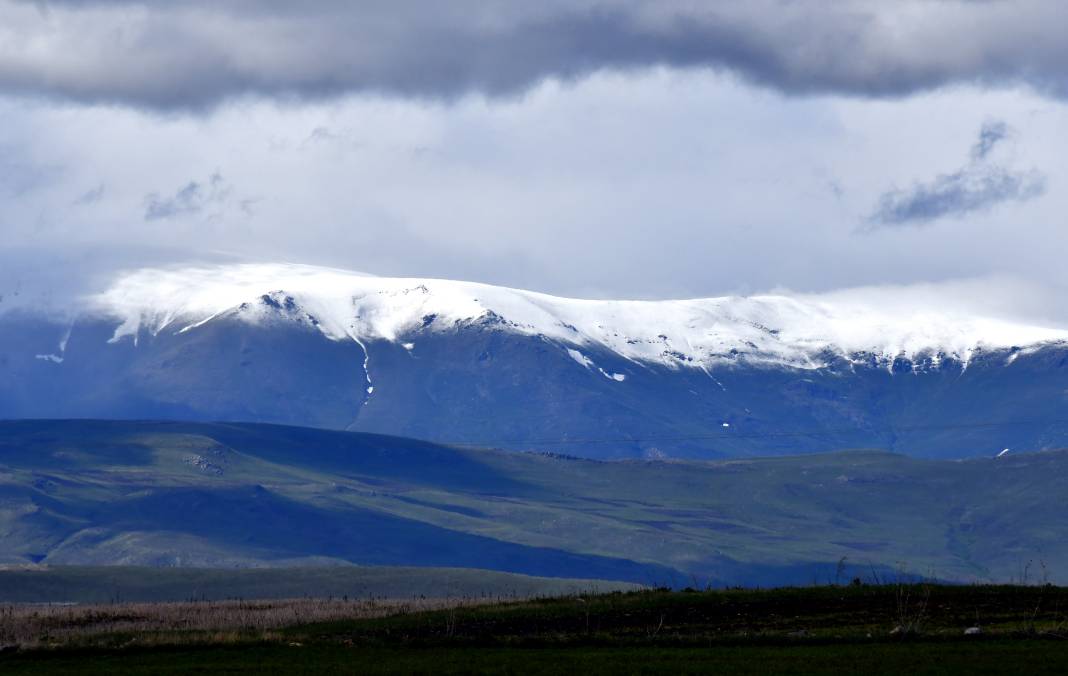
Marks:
<point>137,584</point>
<point>874,629</point>
<point>191,622</point>
<point>986,657</point>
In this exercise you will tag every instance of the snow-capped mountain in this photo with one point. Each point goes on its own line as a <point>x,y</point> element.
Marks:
<point>467,362</point>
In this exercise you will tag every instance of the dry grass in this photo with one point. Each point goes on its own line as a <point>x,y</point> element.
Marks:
<point>188,622</point>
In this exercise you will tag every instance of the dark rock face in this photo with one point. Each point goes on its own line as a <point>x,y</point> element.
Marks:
<point>478,382</point>
<point>224,370</point>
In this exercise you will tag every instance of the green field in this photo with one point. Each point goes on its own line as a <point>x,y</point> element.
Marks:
<point>853,629</point>
<point>238,495</point>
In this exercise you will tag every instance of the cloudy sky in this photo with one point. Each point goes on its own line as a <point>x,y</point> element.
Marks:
<point>590,148</point>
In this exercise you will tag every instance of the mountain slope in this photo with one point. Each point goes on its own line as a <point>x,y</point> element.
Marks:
<point>461,362</point>
<point>85,492</point>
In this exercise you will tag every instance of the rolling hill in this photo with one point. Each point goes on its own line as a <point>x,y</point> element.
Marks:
<point>201,494</point>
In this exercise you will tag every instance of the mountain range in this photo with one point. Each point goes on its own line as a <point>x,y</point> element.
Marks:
<point>466,363</point>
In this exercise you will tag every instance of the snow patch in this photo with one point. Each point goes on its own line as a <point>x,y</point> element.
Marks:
<point>65,339</point>
<point>799,331</point>
<point>580,358</point>
<point>1018,352</point>
<point>58,358</point>
<point>366,367</point>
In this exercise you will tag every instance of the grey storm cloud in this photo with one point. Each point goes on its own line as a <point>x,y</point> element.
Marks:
<point>978,186</point>
<point>90,196</point>
<point>990,135</point>
<point>188,54</point>
<point>190,200</point>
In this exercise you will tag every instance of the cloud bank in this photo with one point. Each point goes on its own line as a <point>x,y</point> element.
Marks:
<point>660,184</point>
<point>191,54</point>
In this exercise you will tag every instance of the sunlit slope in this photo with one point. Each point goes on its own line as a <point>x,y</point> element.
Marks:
<point>238,494</point>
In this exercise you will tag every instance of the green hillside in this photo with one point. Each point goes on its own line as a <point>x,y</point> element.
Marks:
<point>183,494</point>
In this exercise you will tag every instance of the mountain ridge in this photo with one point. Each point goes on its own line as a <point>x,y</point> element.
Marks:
<point>701,332</point>
<point>468,363</point>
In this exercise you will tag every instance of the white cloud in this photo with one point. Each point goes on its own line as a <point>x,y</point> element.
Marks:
<point>665,184</point>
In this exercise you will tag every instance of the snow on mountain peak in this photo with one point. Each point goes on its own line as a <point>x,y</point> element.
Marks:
<point>795,330</point>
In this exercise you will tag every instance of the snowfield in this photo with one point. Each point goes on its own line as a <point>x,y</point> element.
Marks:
<point>801,331</point>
